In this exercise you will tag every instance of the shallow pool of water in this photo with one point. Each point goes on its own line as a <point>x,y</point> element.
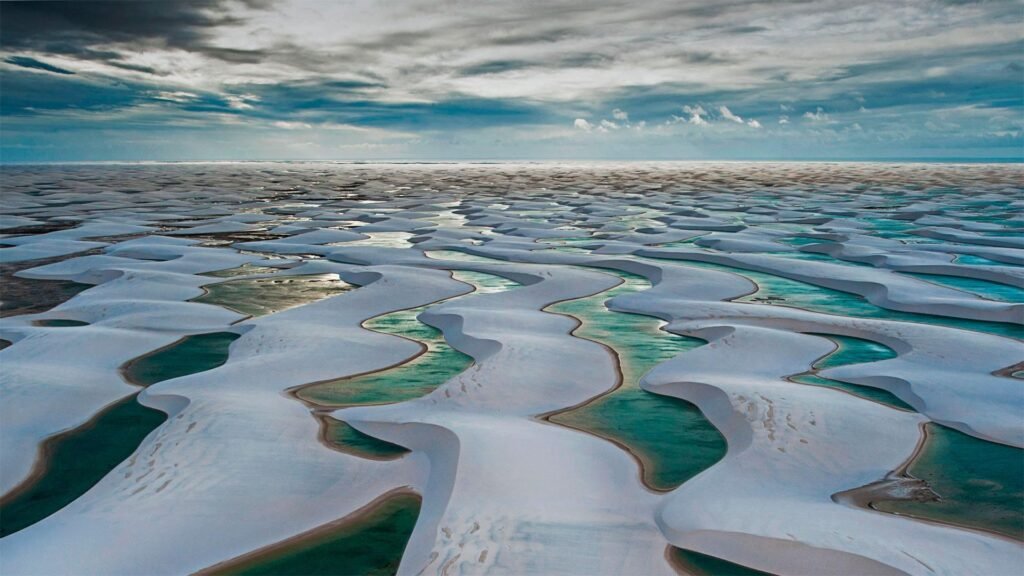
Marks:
<point>370,545</point>
<point>697,564</point>
<point>345,438</point>
<point>671,437</point>
<point>76,460</point>
<point>417,377</point>
<point>30,296</point>
<point>460,256</point>
<point>261,296</point>
<point>783,291</point>
<point>851,350</point>
<point>60,323</point>
<point>243,270</point>
<point>980,484</point>
<point>192,354</point>
<point>978,261</point>
<point>983,288</point>
<point>799,240</point>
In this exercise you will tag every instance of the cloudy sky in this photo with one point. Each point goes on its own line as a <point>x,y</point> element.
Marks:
<point>667,79</point>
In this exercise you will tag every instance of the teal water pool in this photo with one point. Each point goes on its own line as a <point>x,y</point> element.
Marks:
<point>980,484</point>
<point>343,437</point>
<point>983,288</point>
<point>696,564</point>
<point>851,350</point>
<point>74,461</point>
<point>370,544</point>
<point>190,355</point>
<point>671,437</point>
<point>262,296</point>
<point>417,377</point>
<point>776,290</point>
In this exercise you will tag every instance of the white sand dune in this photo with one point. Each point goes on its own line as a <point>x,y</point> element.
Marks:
<point>239,465</point>
<point>234,440</point>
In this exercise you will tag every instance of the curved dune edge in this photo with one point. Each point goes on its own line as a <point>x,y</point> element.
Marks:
<point>502,490</point>
<point>41,464</point>
<point>296,391</point>
<point>136,308</point>
<point>739,438</point>
<point>516,513</point>
<point>902,484</point>
<point>769,427</point>
<point>946,373</point>
<point>880,287</point>
<point>900,345</point>
<point>125,370</point>
<point>321,412</point>
<point>262,434</point>
<point>353,518</point>
<point>642,460</point>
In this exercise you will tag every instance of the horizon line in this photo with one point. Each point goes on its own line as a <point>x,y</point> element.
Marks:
<point>882,160</point>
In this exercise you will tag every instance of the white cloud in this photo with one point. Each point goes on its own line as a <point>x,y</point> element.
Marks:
<point>785,108</point>
<point>366,146</point>
<point>241,101</point>
<point>295,41</point>
<point>605,125</point>
<point>783,119</point>
<point>174,96</point>
<point>697,114</point>
<point>292,125</point>
<point>818,115</point>
<point>753,123</point>
<point>728,115</point>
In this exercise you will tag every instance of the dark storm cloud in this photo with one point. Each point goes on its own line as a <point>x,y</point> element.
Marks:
<point>581,60</point>
<point>73,27</point>
<point>979,57</point>
<point>136,68</point>
<point>28,93</point>
<point>746,29</point>
<point>343,102</point>
<point>26,62</point>
<point>496,67</point>
<point>702,57</point>
<point>447,71</point>
<point>526,39</point>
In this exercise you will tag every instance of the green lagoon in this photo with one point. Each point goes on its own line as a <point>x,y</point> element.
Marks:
<point>189,355</point>
<point>772,289</point>
<point>371,545</point>
<point>980,484</point>
<point>417,377</point>
<point>697,564</point>
<point>262,296</point>
<point>76,460</point>
<point>853,351</point>
<point>671,437</point>
<point>344,438</point>
<point>983,288</point>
